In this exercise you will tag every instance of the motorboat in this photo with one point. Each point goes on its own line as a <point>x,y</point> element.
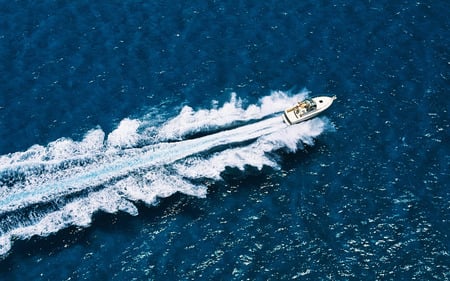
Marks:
<point>307,109</point>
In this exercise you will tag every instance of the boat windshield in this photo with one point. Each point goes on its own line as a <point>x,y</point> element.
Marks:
<point>303,107</point>
<point>307,104</point>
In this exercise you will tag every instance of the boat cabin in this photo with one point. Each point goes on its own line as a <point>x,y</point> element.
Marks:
<point>303,107</point>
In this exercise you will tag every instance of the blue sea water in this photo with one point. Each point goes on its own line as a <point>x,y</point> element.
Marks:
<point>143,140</point>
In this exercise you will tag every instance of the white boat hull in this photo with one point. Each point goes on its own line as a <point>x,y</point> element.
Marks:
<point>299,113</point>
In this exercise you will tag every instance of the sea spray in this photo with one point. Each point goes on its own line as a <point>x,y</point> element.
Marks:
<point>190,121</point>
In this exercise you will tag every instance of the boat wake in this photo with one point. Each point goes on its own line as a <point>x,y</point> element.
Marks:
<point>46,189</point>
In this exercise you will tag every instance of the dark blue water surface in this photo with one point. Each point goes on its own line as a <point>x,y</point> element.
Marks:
<point>367,200</point>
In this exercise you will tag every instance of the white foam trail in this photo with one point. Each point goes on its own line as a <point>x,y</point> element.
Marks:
<point>190,121</point>
<point>255,154</point>
<point>45,189</point>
